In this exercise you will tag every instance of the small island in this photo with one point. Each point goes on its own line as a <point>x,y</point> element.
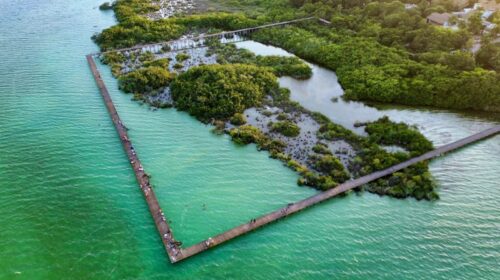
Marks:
<point>238,93</point>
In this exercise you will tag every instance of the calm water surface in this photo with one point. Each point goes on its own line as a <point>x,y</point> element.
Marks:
<point>70,207</point>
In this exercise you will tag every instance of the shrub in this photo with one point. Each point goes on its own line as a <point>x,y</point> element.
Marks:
<point>326,164</point>
<point>286,66</point>
<point>280,65</point>
<point>385,132</point>
<point>287,128</point>
<point>181,57</point>
<point>247,134</point>
<point>112,58</point>
<point>238,119</point>
<point>146,56</point>
<point>163,63</point>
<point>321,148</point>
<point>282,116</point>
<point>105,6</point>
<point>145,80</point>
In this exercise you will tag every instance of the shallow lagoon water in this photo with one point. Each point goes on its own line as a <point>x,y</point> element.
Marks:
<point>70,206</point>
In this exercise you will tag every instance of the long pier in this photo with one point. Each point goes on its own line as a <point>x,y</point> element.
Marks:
<point>199,41</point>
<point>167,237</point>
<point>326,195</point>
<point>176,253</point>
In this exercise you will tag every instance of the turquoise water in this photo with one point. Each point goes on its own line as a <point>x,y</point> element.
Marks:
<point>70,207</point>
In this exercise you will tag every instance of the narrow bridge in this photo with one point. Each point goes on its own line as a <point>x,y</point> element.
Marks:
<point>200,41</point>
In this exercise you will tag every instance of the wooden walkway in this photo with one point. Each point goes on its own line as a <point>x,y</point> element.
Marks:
<point>199,41</point>
<point>323,196</point>
<point>167,237</point>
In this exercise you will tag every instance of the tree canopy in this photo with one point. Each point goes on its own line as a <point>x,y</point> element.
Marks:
<point>219,91</point>
<point>144,80</point>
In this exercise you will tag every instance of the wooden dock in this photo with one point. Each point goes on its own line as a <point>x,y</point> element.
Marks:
<point>323,196</point>
<point>167,237</point>
<point>176,253</point>
<point>199,41</point>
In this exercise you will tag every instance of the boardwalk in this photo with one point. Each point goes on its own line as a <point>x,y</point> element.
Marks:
<point>323,196</point>
<point>197,42</point>
<point>159,218</point>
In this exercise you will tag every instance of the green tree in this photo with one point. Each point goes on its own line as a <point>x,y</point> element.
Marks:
<point>145,80</point>
<point>488,56</point>
<point>475,23</point>
<point>219,91</point>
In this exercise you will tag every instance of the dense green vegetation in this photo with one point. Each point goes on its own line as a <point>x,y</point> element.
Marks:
<point>238,119</point>
<point>488,56</point>
<point>280,65</point>
<point>287,128</point>
<point>331,165</point>
<point>385,132</point>
<point>370,71</point>
<point>247,134</point>
<point>219,91</point>
<point>285,66</point>
<point>115,61</point>
<point>321,148</point>
<point>133,28</point>
<point>381,52</point>
<point>414,181</point>
<point>145,80</point>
